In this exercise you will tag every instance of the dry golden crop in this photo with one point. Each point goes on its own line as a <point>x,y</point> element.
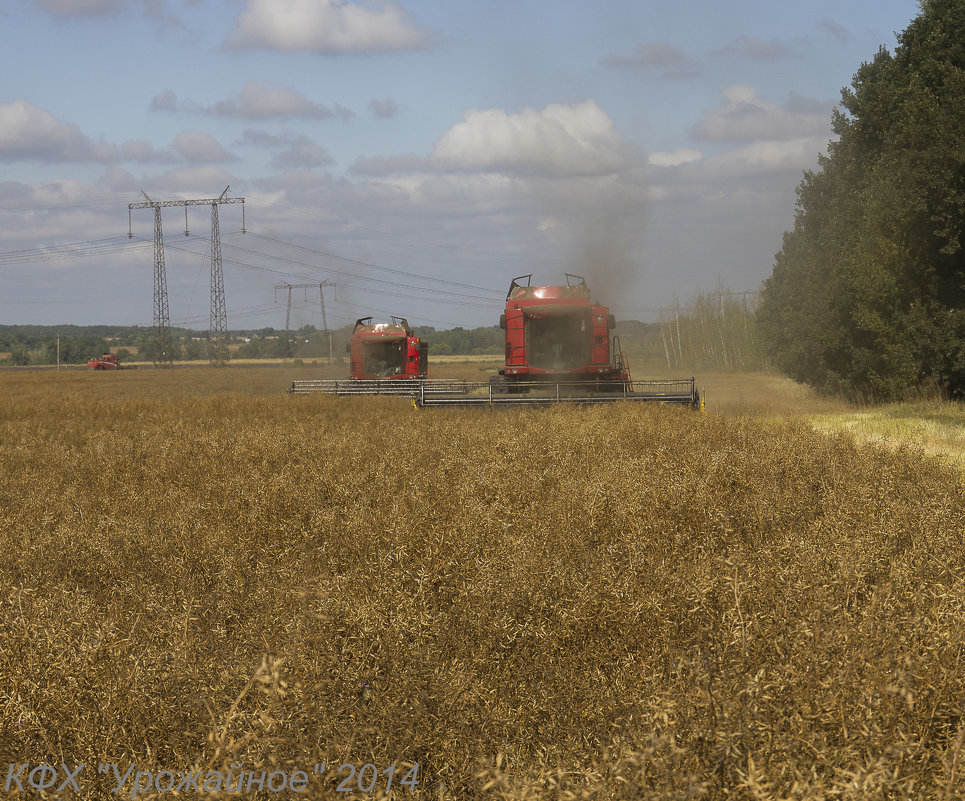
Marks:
<point>200,571</point>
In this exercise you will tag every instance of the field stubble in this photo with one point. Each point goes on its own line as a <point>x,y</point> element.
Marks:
<point>604,603</point>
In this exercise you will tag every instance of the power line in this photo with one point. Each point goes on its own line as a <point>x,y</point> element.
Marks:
<point>405,238</point>
<point>361,263</point>
<point>69,250</point>
<point>486,302</point>
<point>71,205</point>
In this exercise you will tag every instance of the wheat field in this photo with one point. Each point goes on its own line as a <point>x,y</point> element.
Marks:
<point>202,573</point>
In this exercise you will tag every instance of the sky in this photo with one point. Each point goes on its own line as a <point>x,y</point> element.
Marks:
<point>414,156</point>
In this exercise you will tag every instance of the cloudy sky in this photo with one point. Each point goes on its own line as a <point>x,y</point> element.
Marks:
<point>417,154</point>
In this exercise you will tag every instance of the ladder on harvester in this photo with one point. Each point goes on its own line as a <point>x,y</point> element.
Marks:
<point>621,361</point>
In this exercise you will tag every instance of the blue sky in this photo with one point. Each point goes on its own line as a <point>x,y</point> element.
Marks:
<point>418,155</point>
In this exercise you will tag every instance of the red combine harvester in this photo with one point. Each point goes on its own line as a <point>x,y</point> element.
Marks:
<point>559,349</point>
<point>557,334</point>
<point>387,351</point>
<point>386,359</point>
<point>106,362</point>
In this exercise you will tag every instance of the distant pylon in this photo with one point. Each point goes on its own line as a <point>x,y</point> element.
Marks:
<point>218,327</point>
<point>162,317</point>
<point>321,298</point>
<point>217,333</point>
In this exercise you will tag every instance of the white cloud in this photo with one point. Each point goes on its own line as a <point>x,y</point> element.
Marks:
<point>187,182</point>
<point>259,101</point>
<point>120,180</point>
<point>771,167</point>
<point>31,133</point>
<point>792,155</point>
<point>294,150</point>
<point>144,152</point>
<point>681,155</point>
<point>302,152</point>
<point>166,101</point>
<point>744,117</point>
<point>199,148</point>
<point>326,27</point>
<point>557,140</point>
<point>383,109</point>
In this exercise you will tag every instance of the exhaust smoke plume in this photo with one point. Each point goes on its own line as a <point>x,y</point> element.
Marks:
<point>606,236</point>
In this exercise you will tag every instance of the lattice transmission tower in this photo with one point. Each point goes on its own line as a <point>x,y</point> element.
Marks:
<point>218,325</point>
<point>321,297</point>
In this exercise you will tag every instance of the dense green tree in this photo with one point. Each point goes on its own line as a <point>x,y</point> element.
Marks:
<point>868,290</point>
<point>74,349</point>
<point>19,355</point>
<point>194,348</point>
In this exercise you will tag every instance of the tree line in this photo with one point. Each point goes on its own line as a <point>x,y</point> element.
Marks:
<point>868,289</point>
<point>713,330</point>
<point>40,345</point>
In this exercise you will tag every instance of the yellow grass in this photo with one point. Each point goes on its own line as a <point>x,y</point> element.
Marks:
<point>937,429</point>
<point>200,571</point>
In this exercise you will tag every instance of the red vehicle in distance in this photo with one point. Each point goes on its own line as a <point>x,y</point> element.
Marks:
<point>106,362</point>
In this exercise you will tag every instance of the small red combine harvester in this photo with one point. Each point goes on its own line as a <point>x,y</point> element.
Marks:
<point>387,351</point>
<point>386,359</point>
<point>559,349</point>
<point>106,362</point>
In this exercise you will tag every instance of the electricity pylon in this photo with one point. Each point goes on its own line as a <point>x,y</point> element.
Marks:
<point>321,297</point>
<point>218,327</point>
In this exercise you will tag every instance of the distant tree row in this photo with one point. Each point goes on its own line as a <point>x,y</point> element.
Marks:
<point>70,350</point>
<point>714,331</point>
<point>710,332</point>
<point>868,290</point>
<point>462,341</point>
<point>35,337</point>
<point>37,345</point>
